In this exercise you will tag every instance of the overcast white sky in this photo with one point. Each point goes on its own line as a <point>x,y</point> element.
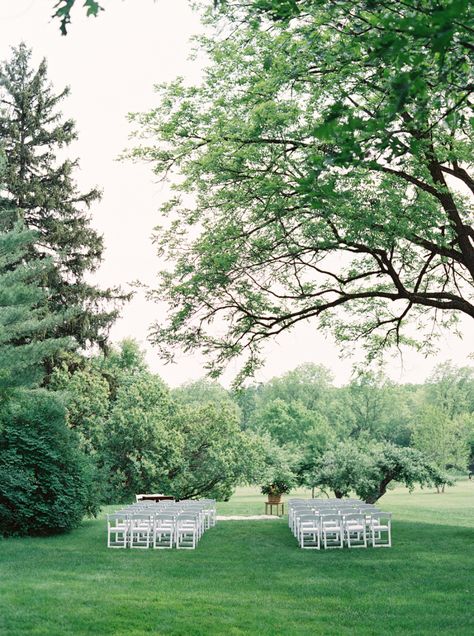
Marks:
<point>111,64</point>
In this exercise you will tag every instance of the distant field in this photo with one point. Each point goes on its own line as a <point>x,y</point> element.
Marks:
<point>250,578</point>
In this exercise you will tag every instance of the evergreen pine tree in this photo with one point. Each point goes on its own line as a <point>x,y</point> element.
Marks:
<point>41,190</point>
<point>25,320</point>
<point>46,482</point>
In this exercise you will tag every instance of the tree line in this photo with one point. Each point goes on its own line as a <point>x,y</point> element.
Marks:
<point>298,429</point>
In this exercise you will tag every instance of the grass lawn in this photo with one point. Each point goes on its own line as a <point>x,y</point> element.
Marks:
<point>250,578</point>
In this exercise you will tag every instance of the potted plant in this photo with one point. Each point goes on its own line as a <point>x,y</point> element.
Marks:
<point>275,490</point>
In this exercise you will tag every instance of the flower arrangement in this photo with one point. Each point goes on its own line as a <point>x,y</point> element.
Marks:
<point>276,488</point>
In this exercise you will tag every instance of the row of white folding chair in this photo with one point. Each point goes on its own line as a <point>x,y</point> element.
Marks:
<point>323,505</point>
<point>163,530</point>
<point>319,504</point>
<point>354,529</point>
<point>133,524</point>
<point>183,530</point>
<point>333,502</point>
<point>341,511</point>
<point>298,511</point>
<point>159,530</point>
<point>316,508</point>
<point>206,506</point>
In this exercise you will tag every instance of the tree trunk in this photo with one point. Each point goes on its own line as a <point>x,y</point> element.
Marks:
<point>381,490</point>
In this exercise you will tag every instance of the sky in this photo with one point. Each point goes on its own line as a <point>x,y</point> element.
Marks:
<point>111,64</point>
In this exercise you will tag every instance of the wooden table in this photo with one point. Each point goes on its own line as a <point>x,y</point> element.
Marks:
<point>280,508</point>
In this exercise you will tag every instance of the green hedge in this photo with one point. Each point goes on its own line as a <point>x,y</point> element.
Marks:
<point>46,482</point>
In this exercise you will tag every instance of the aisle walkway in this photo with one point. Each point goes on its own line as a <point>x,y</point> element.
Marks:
<point>246,518</point>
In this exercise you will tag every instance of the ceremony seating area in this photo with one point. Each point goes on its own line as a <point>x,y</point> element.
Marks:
<point>166,524</point>
<point>334,523</point>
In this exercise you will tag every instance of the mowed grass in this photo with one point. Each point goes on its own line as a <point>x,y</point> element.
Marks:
<point>249,577</point>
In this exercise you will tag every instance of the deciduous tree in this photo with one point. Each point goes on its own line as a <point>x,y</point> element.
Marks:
<point>442,438</point>
<point>368,469</point>
<point>216,455</point>
<point>329,156</point>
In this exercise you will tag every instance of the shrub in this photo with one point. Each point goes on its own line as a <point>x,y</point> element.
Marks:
<point>46,483</point>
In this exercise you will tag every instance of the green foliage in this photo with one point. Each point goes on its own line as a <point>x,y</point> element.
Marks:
<point>247,399</point>
<point>24,317</point>
<point>188,449</point>
<point>451,389</point>
<point>63,10</point>
<point>278,467</point>
<point>142,437</point>
<point>443,438</point>
<point>194,441</point>
<point>121,362</point>
<point>140,445</point>
<point>46,483</point>
<point>328,159</point>
<point>275,488</point>
<point>307,384</point>
<point>87,396</point>
<point>126,359</point>
<point>365,408</point>
<point>289,422</point>
<point>215,456</point>
<point>39,189</point>
<point>291,413</point>
<point>294,406</point>
<point>202,392</point>
<point>368,468</point>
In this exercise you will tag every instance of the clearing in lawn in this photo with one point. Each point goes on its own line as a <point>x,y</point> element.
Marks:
<point>249,577</point>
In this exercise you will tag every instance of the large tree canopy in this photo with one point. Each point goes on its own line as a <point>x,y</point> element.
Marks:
<point>329,162</point>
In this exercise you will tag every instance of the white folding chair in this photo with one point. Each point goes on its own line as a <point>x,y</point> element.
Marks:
<point>296,512</point>
<point>141,530</point>
<point>117,530</point>
<point>381,522</point>
<point>197,509</point>
<point>187,532</point>
<point>209,513</point>
<point>310,532</point>
<point>355,530</point>
<point>332,530</point>
<point>164,527</point>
